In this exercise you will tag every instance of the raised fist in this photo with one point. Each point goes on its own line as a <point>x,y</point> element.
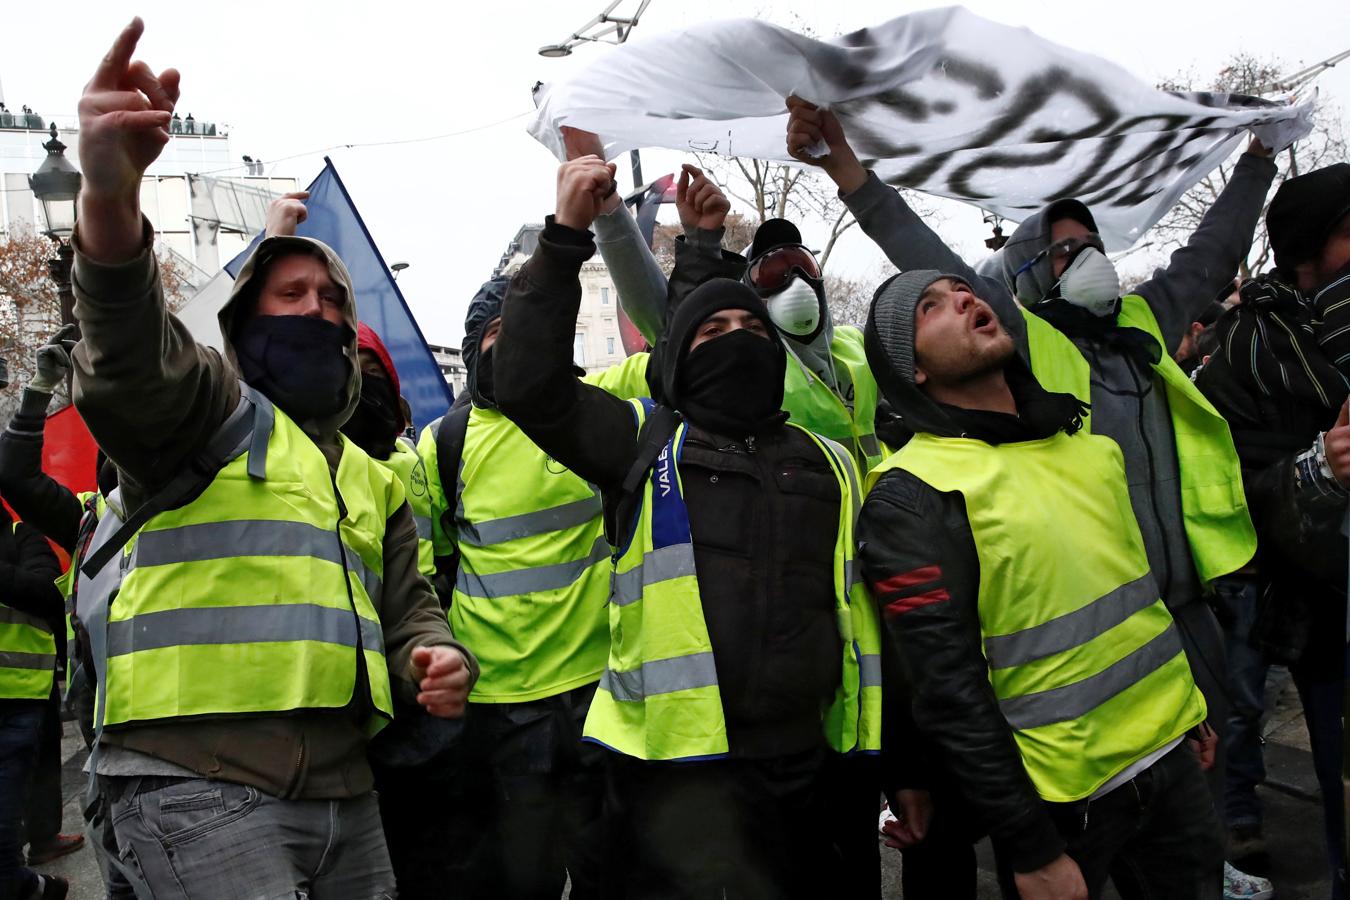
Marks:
<point>700,201</point>
<point>286,212</point>
<point>584,184</point>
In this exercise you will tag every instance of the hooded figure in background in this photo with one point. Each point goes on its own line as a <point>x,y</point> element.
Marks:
<point>378,419</point>
<point>483,317</point>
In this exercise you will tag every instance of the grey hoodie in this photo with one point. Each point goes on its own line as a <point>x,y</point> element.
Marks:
<point>152,397</point>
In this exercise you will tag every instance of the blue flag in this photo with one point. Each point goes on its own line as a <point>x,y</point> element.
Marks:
<point>334,220</point>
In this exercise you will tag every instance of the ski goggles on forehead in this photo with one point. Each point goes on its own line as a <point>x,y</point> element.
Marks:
<point>772,270</point>
<point>1065,249</point>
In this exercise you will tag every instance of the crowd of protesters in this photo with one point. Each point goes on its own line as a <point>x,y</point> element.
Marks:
<point>1012,561</point>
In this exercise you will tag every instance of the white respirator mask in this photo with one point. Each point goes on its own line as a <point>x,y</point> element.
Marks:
<point>795,309</point>
<point>1090,282</point>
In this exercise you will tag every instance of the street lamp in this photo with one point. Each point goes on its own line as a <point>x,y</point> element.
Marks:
<point>604,29</point>
<point>398,267</point>
<point>56,184</point>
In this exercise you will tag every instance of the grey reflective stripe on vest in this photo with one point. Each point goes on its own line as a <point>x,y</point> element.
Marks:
<point>869,670</point>
<point>11,616</point>
<point>674,561</point>
<point>1071,629</point>
<point>249,537</point>
<point>423,524</point>
<point>529,581</point>
<point>661,676</point>
<point>235,625</point>
<point>1074,700</point>
<point>16,660</point>
<point>543,521</point>
<point>869,444</point>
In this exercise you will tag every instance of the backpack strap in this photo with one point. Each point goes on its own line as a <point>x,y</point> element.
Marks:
<point>247,429</point>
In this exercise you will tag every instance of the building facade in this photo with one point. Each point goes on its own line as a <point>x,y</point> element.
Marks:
<point>597,344</point>
<point>203,203</point>
<point>451,364</point>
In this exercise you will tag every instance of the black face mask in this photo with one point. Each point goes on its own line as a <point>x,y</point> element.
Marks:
<point>483,391</point>
<point>297,362</point>
<point>377,420</point>
<point>733,384</point>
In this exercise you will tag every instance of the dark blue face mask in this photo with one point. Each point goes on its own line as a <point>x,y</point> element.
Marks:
<point>297,362</point>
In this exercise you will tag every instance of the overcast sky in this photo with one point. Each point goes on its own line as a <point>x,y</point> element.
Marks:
<point>295,78</point>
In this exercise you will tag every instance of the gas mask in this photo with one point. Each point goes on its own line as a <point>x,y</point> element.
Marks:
<point>1090,282</point>
<point>795,310</point>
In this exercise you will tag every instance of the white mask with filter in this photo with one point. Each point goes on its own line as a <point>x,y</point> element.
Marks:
<point>795,309</point>
<point>1090,282</point>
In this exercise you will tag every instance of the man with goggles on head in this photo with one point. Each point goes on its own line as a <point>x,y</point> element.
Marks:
<point>1112,351</point>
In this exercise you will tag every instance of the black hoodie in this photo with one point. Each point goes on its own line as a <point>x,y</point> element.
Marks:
<point>763,513</point>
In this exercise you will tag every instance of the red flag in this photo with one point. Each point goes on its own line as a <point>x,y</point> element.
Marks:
<point>69,455</point>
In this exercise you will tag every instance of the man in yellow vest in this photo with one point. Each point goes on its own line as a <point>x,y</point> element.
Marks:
<point>741,651</point>
<point>253,593</point>
<point>522,542</point>
<point>827,386</point>
<point>1112,352</point>
<point>1017,597</point>
<point>30,616</point>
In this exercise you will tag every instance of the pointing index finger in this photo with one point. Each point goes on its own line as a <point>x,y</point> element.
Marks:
<point>110,70</point>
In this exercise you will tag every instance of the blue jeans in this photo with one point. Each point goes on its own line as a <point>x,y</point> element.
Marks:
<point>215,840</point>
<point>1237,599</point>
<point>20,727</point>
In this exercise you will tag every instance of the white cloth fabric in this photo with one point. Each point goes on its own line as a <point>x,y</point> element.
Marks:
<point>942,101</point>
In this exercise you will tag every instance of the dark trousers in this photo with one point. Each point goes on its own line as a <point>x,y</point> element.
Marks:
<point>850,798</point>
<point>20,726</point>
<point>1154,836</point>
<point>1236,599</point>
<point>1322,705</point>
<point>724,828</point>
<point>1203,640</point>
<point>513,813</point>
<point>42,812</point>
<point>942,866</point>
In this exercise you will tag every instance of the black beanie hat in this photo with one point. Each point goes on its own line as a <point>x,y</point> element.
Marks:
<point>1304,212</point>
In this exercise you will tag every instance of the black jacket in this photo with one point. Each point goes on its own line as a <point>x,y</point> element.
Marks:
<point>763,514</point>
<point>1301,551</point>
<point>28,573</point>
<point>39,499</point>
<point>918,556</point>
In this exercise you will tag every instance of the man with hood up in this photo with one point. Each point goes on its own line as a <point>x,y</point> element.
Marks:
<point>521,542</point>
<point>237,769</point>
<point>1114,353</point>
<point>740,649</point>
<point>1017,596</point>
<point>377,423</point>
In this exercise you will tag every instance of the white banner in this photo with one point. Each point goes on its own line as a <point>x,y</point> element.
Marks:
<point>941,101</point>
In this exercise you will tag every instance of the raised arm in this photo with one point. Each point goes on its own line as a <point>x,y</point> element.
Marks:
<point>632,267</point>
<point>882,213</point>
<point>1210,259</point>
<point>39,499</point>
<point>149,394</point>
<point>582,426</point>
